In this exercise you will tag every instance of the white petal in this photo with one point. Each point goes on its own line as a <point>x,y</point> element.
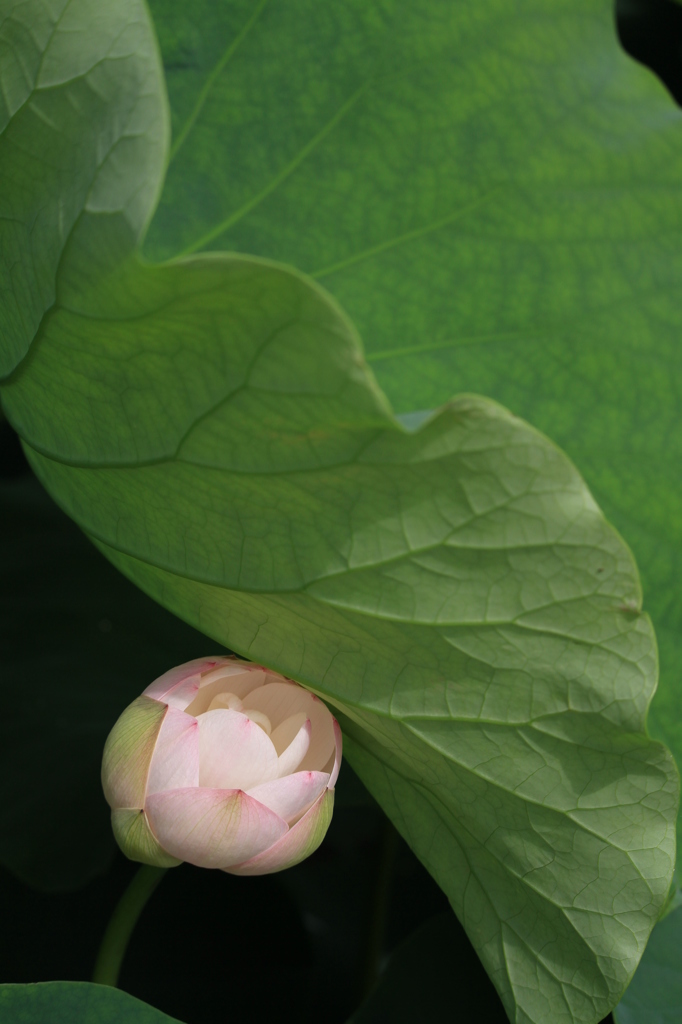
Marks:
<point>338,753</point>
<point>232,677</point>
<point>287,730</point>
<point>226,699</point>
<point>234,752</point>
<point>281,700</point>
<point>291,796</point>
<point>295,751</point>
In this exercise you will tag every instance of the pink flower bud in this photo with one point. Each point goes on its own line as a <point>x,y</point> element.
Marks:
<point>224,764</point>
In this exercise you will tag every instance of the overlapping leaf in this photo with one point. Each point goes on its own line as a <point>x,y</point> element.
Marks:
<point>453,590</point>
<point>59,179</point>
<point>492,190</point>
<point>655,995</point>
<point>75,1002</point>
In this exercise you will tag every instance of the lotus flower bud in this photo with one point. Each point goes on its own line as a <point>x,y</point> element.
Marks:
<point>223,764</point>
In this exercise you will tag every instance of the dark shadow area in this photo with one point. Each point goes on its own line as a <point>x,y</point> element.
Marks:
<point>211,947</point>
<point>13,463</point>
<point>651,32</point>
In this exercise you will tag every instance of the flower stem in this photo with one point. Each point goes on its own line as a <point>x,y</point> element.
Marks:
<point>123,920</point>
<point>382,893</point>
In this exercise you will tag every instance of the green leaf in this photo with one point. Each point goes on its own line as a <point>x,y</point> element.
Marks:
<point>79,643</point>
<point>655,993</point>
<point>75,1002</point>
<point>491,190</point>
<point>54,79</point>
<point>452,590</point>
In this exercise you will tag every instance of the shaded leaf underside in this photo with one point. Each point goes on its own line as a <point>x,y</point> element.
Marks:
<point>492,193</point>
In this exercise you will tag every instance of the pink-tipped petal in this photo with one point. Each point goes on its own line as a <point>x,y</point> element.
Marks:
<point>212,828</point>
<point>175,761</point>
<point>179,685</point>
<point>234,677</point>
<point>234,752</point>
<point>299,842</point>
<point>128,753</point>
<point>280,701</point>
<point>291,796</point>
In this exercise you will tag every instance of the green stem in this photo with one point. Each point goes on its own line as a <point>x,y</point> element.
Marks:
<point>123,920</point>
<point>382,892</point>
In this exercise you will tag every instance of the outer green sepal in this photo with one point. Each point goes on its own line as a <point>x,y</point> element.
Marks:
<point>136,839</point>
<point>128,753</point>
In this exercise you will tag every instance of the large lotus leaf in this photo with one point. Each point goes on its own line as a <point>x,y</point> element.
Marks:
<point>451,589</point>
<point>491,189</point>
<point>75,1002</point>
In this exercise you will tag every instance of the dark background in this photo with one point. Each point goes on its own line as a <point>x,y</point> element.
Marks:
<point>303,946</point>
